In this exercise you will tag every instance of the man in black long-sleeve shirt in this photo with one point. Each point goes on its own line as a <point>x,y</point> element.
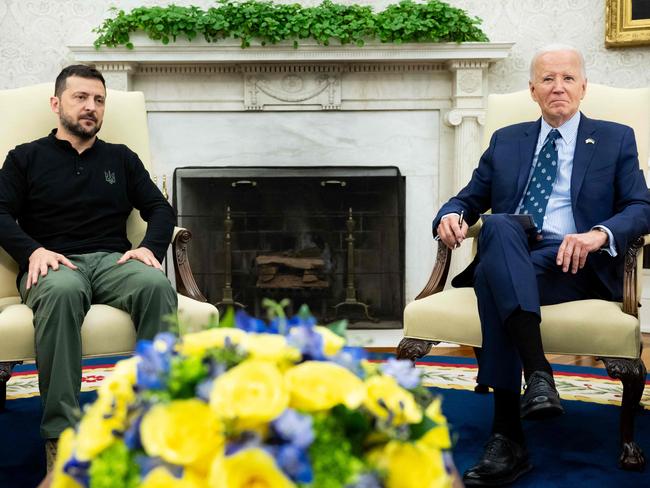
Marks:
<point>64,203</point>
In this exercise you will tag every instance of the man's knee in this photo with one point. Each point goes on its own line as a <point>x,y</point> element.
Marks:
<point>502,227</point>
<point>151,281</point>
<point>60,287</point>
<point>496,223</point>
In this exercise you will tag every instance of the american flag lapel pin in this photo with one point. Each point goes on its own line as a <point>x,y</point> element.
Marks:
<point>589,140</point>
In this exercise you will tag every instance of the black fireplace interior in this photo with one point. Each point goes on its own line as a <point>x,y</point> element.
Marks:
<point>292,230</point>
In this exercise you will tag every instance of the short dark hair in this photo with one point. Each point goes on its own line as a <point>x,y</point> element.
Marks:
<point>80,70</point>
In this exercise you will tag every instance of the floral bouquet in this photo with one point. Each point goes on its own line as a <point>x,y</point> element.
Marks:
<point>252,404</point>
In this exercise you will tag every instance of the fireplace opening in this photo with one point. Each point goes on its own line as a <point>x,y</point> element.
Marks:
<point>330,237</point>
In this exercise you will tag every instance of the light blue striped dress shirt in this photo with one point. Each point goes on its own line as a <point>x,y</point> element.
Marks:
<point>558,220</point>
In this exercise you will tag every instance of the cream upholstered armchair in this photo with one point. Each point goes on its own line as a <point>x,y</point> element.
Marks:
<point>610,331</point>
<point>26,116</point>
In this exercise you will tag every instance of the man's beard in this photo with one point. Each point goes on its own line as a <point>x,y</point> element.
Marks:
<point>77,129</point>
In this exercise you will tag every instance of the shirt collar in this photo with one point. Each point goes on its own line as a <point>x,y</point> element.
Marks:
<point>66,144</point>
<point>568,130</point>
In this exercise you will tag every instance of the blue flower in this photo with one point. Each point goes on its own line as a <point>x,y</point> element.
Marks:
<point>294,428</point>
<point>293,461</point>
<point>247,323</point>
<point>308,341</point>
<point>203,389</point>
<point>155,357</point>
<point>403,371</point>
<point>302,319</point>
<point>132,434</point>
<point>78,470</point>
<point>350,357</point>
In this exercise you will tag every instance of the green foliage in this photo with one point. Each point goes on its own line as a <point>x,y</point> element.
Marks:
<point>228,319</point>
<point>340,327</point>
<point>184,375</point>
<point>406,21</point>
<point>115,466</point>
<point>333,461</point>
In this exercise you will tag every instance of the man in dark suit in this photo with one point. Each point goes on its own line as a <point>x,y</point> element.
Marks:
<point>579,180</point>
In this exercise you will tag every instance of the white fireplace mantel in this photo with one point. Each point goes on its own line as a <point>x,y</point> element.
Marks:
<point>418,107</point>
<point>183,51</point>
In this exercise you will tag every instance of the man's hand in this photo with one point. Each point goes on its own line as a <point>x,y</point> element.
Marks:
<point>450,232</point>
<point>141,254</point>
<point>41,261</point>
<point>575,247</point>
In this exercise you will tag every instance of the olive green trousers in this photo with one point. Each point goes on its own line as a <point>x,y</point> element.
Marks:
<point>60,301</point>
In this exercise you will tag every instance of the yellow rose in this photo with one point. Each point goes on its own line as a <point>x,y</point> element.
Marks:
<point>97,428</point>
<point>117,389</point>
<point>332,343</point>
<point>411,465</point>
<point>438,436</point>
<point>271,347</point>
<point>161,478</point>
<point>386,398</point>
<point>246,469</point>
<point>65,448</point>
<point>318,385</point>
<point>183,432</point>
<point>250,394</point>
<point>199,342</point>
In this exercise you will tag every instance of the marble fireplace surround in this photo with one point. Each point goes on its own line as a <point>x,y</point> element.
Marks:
<point>418,107</point>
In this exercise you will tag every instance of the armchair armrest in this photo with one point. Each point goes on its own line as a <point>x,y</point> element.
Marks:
<point>630,276</point>
<point>185,283</point>
<point>440,271</point>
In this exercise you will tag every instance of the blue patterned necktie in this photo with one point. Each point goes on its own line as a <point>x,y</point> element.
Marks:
<point>541,182</point>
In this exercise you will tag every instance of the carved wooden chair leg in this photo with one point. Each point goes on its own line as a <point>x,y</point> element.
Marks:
<point>632,373</point>
<point>413,349</point>
<point>479,388</point>
<point>5,374</point>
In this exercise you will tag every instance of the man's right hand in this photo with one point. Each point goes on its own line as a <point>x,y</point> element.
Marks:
<point>450,232</point>
<point>40,263</point>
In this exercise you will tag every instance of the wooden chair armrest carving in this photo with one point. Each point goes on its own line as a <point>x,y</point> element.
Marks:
<point>440,271</point>
<point>630,278</point>
<point>185,283</point>
<point>439,274</point>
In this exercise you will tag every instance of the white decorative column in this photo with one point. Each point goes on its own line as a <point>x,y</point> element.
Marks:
<point>467,116</point>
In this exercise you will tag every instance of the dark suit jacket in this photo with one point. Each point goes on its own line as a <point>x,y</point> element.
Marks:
<point>607,186</point>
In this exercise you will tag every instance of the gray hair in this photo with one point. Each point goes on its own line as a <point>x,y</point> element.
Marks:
<point>551,48</point>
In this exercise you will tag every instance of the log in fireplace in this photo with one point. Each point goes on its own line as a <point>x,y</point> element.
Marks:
<point>287,232</point>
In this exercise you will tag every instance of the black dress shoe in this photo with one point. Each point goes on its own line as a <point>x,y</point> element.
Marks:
<point>541,399</point>
<point>503,461</point>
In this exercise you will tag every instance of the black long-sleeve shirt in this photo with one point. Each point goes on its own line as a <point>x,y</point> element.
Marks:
<point>71,203</point>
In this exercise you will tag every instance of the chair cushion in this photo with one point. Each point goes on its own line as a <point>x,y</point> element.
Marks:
<point>584,327</point>
<point>105,330</point>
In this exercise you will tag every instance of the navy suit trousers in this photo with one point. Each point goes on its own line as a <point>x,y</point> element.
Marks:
<point>517,272</point>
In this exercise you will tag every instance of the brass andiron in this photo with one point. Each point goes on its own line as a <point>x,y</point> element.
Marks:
<point>350,290</point>
<point>227,300</point>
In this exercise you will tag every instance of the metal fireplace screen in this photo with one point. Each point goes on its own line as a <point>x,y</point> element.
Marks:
<point>329,237</point>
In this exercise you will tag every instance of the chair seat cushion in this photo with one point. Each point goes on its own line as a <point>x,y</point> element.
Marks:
<point>105,330</point>
<point>584,327</point>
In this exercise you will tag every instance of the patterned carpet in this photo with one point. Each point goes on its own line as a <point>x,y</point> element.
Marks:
<point>574,382</point>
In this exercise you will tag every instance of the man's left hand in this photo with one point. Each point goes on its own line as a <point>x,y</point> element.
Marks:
<point>140,254</point>
<point>574,249</point>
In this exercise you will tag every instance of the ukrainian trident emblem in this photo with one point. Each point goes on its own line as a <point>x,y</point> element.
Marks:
<point>110,177</point>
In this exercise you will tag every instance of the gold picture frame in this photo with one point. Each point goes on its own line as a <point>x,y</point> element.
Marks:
<point>621,28</point>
